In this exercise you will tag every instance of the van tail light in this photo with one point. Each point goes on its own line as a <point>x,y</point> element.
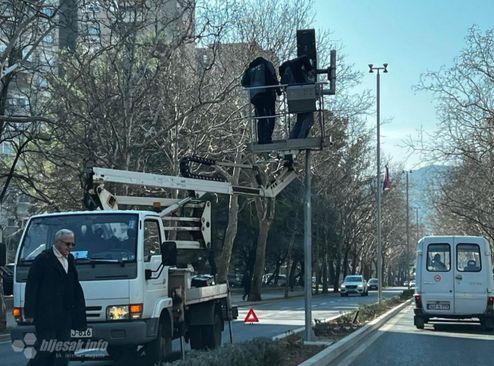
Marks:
<point>490,301</point>
<point>17,313</point>
<point>418,301</point>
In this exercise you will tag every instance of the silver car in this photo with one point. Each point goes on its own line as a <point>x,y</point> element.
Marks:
<point>354,284</point>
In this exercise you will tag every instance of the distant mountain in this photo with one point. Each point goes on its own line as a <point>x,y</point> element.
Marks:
<point>422,181</point>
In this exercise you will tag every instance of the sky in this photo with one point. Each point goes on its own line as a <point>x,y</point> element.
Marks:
<point>413,37</point>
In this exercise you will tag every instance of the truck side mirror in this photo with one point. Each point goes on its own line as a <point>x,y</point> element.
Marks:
<point>169,253</point>
<point>3,254</point>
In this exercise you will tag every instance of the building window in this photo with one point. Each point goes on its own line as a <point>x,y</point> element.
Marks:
<point>48,39</point>
<point>93,30</point>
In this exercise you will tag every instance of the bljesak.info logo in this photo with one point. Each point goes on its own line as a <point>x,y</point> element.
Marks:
<point>27,345</point>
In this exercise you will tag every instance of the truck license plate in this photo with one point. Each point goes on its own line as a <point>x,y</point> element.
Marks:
<point>88,333</point>
<point>438,306</point>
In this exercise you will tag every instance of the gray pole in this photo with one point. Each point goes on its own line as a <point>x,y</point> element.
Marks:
<point>308,249</point>
<point>379,188</point>
<point>417,211</point>
<point>408,236</point>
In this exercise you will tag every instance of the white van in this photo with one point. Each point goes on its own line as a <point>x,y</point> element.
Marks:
<point>454,280</point>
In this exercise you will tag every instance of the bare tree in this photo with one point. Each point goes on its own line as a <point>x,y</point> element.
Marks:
<point>464,138</point>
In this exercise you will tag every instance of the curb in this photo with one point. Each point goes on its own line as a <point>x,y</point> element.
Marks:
<point>267,301</point>
<point>4,337</point>
<point>276,299</point>
<point>330,354</point>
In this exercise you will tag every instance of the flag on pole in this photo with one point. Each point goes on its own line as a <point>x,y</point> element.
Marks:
<point>387,180</point>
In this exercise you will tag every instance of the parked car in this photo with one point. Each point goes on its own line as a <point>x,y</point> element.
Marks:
<point>8,279</point>
<point>405,283</point>
<point>373,284</point>
<point>454,280</point>
<point>354,284</point>
<point>235,280</point>
<point>412,284</point>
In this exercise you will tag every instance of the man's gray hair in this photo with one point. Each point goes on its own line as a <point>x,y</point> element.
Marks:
<point>63,232</point>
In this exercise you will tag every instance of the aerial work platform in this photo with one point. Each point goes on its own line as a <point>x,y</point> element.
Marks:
<point>308,143</point>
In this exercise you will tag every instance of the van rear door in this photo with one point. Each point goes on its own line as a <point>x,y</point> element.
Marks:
<point>437,277</point>
<point>470,275</point>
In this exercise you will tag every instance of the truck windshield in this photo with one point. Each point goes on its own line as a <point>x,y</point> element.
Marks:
<point>97,237</point>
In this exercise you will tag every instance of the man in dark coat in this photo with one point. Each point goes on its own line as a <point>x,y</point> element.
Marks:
<point>246,280</point>
<point>54,299</point>
<point>261,73</point>
<point>299,71</point>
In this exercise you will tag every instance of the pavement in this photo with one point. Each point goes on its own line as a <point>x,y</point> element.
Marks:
<point>276,315</point>
<point>398,342</point>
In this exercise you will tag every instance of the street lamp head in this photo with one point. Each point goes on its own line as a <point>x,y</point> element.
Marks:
<point>385,67</point>
<point>370,68</point>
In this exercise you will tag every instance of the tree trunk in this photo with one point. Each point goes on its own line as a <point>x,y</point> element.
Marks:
<point>293,268</point>
<point>325,272</point>
<point>223,260</point>
<point>3,308</point>
<point>337,272</point>
<point>265,213</point>
<point>289,263</point>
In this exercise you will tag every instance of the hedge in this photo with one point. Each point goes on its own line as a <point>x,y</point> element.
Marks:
<point>257,352</point>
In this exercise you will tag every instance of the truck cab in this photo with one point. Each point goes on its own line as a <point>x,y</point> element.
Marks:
<point>454,280</point>
<point>137,297</point>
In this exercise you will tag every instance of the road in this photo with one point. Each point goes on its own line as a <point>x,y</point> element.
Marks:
<point>275,317</point>
<point>398,342</point>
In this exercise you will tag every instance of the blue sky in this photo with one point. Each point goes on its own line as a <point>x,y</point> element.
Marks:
<point>412,37</point>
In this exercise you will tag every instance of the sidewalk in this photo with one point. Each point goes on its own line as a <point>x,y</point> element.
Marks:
<point>267,294</point>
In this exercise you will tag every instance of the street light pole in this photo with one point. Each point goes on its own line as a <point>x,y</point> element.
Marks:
<point>308,249</point>
<point>417,216</point>
<point>378,179</point>
<point>408,231</point>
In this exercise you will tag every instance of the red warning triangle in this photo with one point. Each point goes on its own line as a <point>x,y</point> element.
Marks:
<point>251,317</point>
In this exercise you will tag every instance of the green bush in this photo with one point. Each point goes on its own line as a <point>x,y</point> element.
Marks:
<point>258,352</point>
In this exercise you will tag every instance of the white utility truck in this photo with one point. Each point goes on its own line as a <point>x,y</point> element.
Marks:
<point>139,268</point>
<point>454,280</point>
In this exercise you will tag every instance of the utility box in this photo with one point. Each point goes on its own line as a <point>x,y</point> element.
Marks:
<point>301,98</point>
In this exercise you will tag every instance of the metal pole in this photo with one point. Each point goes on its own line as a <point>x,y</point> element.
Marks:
<point>408,237</point>
<point>378,174</point>
<point>308,249</point>
<point>417,211</point>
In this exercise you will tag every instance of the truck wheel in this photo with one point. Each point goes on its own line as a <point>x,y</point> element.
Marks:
<point>419,322</point>
<point>211,334</point>
<point>158,349</point>
<point>195,336</point>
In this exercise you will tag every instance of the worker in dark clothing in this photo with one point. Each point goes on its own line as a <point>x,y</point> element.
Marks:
<point>299,71</point>
<point>261,73</point>
<point>246,280</point>
<point>54,300</point>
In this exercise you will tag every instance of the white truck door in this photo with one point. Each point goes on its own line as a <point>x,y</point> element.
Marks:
<point>437,277</point>
<point>470,275</point>
<point>155,287</point>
